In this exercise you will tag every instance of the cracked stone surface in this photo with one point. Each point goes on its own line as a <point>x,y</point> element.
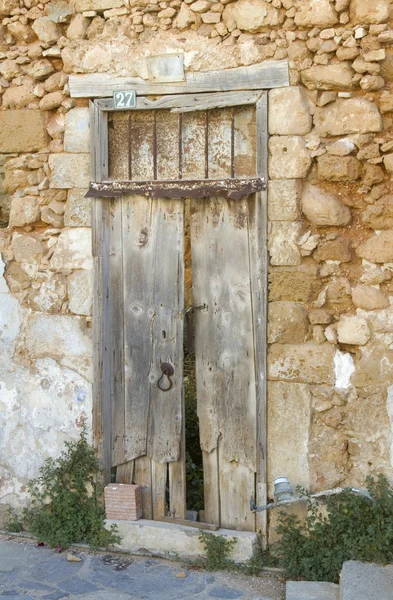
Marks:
<point>31,572</point>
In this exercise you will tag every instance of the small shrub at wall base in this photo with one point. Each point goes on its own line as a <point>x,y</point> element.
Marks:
<point>66,500</point>
<point>350,527</point>
<point>218,549</point>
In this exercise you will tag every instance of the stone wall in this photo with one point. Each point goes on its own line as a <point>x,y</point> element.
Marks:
<point>330,392</point>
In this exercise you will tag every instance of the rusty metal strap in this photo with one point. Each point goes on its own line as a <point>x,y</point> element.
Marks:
<point>233,189</point>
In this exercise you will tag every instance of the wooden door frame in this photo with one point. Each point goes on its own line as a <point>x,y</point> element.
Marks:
<point>276,76</point>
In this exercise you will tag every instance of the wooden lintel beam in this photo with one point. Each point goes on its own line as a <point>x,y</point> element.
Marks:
<point>265,75</point>
<point>233,189</point>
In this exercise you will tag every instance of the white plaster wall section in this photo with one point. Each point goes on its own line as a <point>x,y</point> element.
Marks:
<point>343,370</point>
<point>43,405</point>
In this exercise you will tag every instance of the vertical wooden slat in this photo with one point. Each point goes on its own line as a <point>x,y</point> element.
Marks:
<point>224,353</point>
<point>101,317</point>
<point>143,477</point>
<point>211,483</point>
<point>118,146</point>
<point>219,152</point>
<point>167,144</point>
<point>259,266</point>
<point>158,478</point>
<point>142,145</point>
<point>193,145</point>
<point>116,308</point>
<point>125,472</point>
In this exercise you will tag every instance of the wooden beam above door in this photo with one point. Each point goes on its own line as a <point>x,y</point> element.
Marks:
<point>265,75</point>
<point>233,189</point>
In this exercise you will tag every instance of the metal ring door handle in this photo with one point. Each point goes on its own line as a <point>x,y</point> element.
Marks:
<point>167,371</point>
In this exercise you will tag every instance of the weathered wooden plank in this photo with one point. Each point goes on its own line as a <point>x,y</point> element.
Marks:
<point>235,189</point>
<point>211,486</point>
<point>125,472</point>
<point>142,145</point>
<point>244,142</point>
<point>265,75</point>
<point>143,477</point>
<point>187,102</point>
<point>194,132</point>
<point>119,149</point>
<point>177,477</point>
<point>167,146</point>
<point>159,474</point>
<point>224,338</point>
<point>116,308</point>
<point>259,267</point>
<point>138,315</point>
<point>220,145</point>
<point>237,485</point>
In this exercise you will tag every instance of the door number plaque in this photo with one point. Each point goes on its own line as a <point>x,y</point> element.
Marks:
<point>124,100</point>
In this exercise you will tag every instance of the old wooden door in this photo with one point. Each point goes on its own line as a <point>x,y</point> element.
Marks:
<point>156,159</point>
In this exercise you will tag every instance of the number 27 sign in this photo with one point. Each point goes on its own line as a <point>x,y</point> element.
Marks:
<point>124,100</point>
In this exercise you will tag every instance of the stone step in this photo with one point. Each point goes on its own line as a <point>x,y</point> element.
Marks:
<point>312,590</point>
<point>366,581</point>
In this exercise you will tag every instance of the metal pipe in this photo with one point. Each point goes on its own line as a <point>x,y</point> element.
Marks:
<point>332,492</point>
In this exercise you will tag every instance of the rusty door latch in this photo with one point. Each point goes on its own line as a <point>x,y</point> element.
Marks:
<point>167,371</point>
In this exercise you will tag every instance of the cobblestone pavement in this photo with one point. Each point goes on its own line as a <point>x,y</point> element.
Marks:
<point>31,572</point>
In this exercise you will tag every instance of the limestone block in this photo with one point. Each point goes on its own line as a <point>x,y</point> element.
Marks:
<point>24,211</point>
<point>19,96</point>
<point>289,157</point>
<point>6,6</point>
<point>369,298</point>
<point>387,66</point>
<point>22,131</point>
<point>282,243</point>
<point>315,13</point>
<point>380,214</point>
<point>174,541</point>
<point>370,445</point>
<point>56,125</point>
<point>323,208</point>
<point>80,292</point>
<point>303,363</point>
<point>78,209</point>
<point>353,330</point>
<point>287,323</point>
<point>378,248</point>
<point>73,250</point>
<point>52,100</point>
<point>55,82</point>
<point>339,168</point>
<point>341,147</point>
<point>46,30</point>
<point>99,5</point>
<point>320,316</point>
<point>27,248</point>
<point>56,336</point>
<point>50,295</point>
<point>374,368</point>
<point>369,12</point>
<point>40,69</point>
<point>328,77</point>
<point>353,115</point>
<point>9,69</point>
<point>252,15</point>
<point>386,102</point>
<point>300,284</point>
<point>338,249</point>
<point>288,426</point>
<point>69,170</point>
<point>388,162</point>
<point>289,112</point>
<point>284,199</point>
<point>185,17</point>
<point>76,136</point>
<point>21,33</point>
